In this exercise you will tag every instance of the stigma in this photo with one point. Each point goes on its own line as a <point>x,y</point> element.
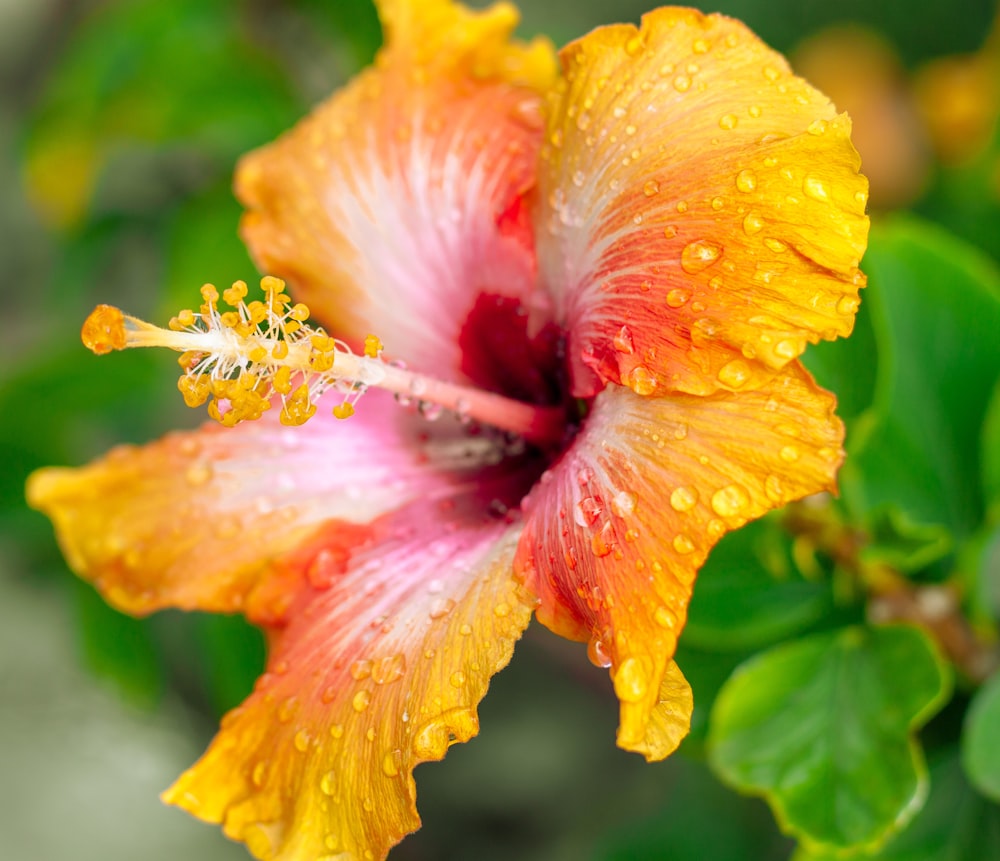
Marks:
<point>244,358</point>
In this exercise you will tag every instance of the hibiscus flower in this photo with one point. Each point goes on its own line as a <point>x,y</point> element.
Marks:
<point>605,268</point>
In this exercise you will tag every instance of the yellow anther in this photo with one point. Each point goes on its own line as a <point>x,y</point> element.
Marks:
<point>280,350</point>
<point>344,410</point>
<point>323,343</point>
<point>189,359</point>
<point>235,294</point>
<point>373,346</point>
<point>282,380</point>
<point>104,330</point>
<point>257,311</point>
<point>292,326</point>
<point>229,319</point>
<point>257,354</point>
<point>195,390</point>
<point>299,312</point>
<point>269,284</point>
<point>298,409</point>
<point>320,361</point>
<point>209,294</point>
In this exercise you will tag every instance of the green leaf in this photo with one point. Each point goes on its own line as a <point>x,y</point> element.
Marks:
<point>118,647</point>
<point>956,824</point>
<point>981,739</point>
<point>991,450</point>
<point>750,593</point>
<point>904,545</point>
<point>823,728</point>
<point>935,306</point>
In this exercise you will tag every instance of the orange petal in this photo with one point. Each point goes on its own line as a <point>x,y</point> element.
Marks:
<point>369,679</point>
<point>197,519</point>
<point>615,536</point>
<point>399,200</point>
<point>701,217</point>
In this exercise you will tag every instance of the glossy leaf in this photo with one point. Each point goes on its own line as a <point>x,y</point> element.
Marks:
<point>750,594</point>
<point>935,305</point>
<point>823,728</point>
<point>981,739</point>
<point>956,824</point>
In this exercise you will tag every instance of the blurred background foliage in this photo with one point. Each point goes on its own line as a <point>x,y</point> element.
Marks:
<point>120,122</point>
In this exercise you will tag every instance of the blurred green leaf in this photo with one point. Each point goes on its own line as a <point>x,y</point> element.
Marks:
<point>935,305</point>
<point>981,739</point>
<point>991,450</point>
<point>703,820</point>
<point>956,824</point>
<point>117,647</point>
<point>847,366</point>
<point>232,652</point>
<point>822,727</point>
<point>750,593</point>
<point>897,541</point>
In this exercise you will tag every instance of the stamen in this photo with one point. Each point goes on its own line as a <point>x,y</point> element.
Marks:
<point>254,355</point>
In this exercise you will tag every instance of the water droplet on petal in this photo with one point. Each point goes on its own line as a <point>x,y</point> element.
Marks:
<point>301,741</point>
<point>773,488</point>
<point>361,669</point>
<point>597,653</point>
<point>457,679</point>
<point>848,304</point>
<point>665,618</point>
<point>641,381</point>
<point>361,701</point>
<point>788,349</point>
<point>198,474</point>
<point>684,499</point>
<point>602,542</point>
<point>815,188</point>
<point>390,669</point>
<point>391,763</point>
<point>746,180</point>
<point>699,255</point>
<point>789,454</point>
<point>683,544</point>
<point>651,188</point>
<point>735,373</point>
<point>632,680</point>
<point>728,122</point>
<point>623,503</point>
<point>587,510</point>
<point>328,783</point>
<point>682,83</point>
<point>259,773</point>
<point>678,297</point>
<point>623,341</point>
<point>730,501</point>
<point>817,127</point>
<point>337,731</point>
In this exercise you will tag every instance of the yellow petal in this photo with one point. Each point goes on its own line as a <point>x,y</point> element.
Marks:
<point>614,539</point>
<point>368,680</point>
<point>700,217</point>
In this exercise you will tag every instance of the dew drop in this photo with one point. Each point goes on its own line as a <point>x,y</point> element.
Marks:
<point>198,474</point>
<point>664,618</point>
<point>817,127</point>
<point>678,297</point>
<point>602,542</point>
<point>697,256</point>
<point>632,680</point>
<point>286,711</point>
<point>683,544</point>
<point>771,73</point>
<point>465,630</point>
<point>684,499</point>
<point>337,731</point>
<point>391,762</point>
<point>597,653</point>
<point>623,503</point>
<point>848,304</point>
<point>746,180</point>
<point>361,701</point>
<point>682,206</point>
<point>634,46</point>
<point>701,46</point>
<point>441,608</point>
<point>390,669</point>
<point>788,349</point>
<point>457,679</point>
<point>728,122</point>
<point>641,381</point>
<point>815,188</point>
<point>669,232</point>
<point>772,487</point>
<point>328,783</point>
<point>587,510</point>
<point>754,111</point>
<point>729,501</point>
<point>735,373</point>
<point>715,529</point>
<point>301,741</point>
<point>259,773</point>
<point>776,245</point>
<point>501,610</point>
<point>651,188</point>
<point>789,454</point>
<point>623,341</point>
<point>682,83</point>
<point>361,669</point>
<point>718,203</point>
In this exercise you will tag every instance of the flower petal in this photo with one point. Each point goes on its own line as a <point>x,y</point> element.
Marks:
<point>399,200</point>
<point>197,519</point>
<point>370,678</point>
<point>617,530</point>
<point>700,215</point>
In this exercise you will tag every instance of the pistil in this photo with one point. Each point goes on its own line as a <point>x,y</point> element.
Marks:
<point>263,353</point>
